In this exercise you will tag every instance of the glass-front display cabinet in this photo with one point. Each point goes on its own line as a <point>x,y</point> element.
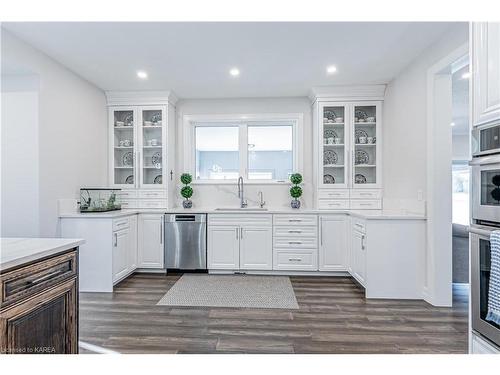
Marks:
<point>333,155</point>
<point>365,140</point>
<point>138,150</point>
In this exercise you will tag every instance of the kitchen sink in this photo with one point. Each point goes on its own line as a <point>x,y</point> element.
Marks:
<point>238,209</point>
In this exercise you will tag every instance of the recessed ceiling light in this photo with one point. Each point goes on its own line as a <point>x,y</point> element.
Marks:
<point>142,74</point>
<point>452,124</point>
<point>466,75</point>
<point>235,72</point>
<point>331,69</point>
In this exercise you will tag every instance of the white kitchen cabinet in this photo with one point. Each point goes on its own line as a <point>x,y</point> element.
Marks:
<point>121,250</point>
<point>141,147</point>
<point>256,248</point>
<point>358,255</point>
<point>150,241</point>
<point>223,247</point>
<point>248,245</point>
<point>333,246</point>
<point>485,70</point>
<point>347,153</point>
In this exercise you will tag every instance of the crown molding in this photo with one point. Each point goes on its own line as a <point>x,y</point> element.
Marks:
<point>348,92</point>
<point>140,97</point>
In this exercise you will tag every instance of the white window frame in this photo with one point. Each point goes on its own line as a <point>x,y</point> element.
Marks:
<point>190,122</point>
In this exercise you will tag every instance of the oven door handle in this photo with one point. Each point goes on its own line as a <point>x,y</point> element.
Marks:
<point>485,160</point>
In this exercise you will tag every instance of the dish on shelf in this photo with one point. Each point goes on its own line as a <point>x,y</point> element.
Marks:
<point>156,158</point>
<point>358,133</point>
<point>330,115</point>
<point>129,179</point>
<point>128,159</point>
<point>128,119</point>
<point>119,123</point>
<point>158,179</point>
<point>359,179</point>
<point>361,115</point>
<point>328,179</point>
<point>361,157</point>
<point>370,119</point>
<point>330,157</point>
<point>329,133</point>
<point>156,117</point>
<point>148,123</point>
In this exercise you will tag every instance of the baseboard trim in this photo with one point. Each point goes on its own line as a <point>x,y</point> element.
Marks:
<point>281,273</point>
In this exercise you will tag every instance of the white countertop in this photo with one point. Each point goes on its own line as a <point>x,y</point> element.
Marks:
<point>363,214</point>
<point>17,251</point>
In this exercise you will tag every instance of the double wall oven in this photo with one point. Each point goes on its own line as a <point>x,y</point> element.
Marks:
<point>485,209</point>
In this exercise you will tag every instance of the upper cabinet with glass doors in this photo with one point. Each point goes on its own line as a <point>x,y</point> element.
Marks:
<point>123,137</point>
<point>334,143</point>
<point>152,143</point>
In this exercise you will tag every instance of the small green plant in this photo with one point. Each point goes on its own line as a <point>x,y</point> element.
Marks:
<point>296,190</point>
<point>186,190</point>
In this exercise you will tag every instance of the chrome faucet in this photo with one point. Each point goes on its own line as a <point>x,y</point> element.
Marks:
<point>261,198</point>
<point>243,202</point>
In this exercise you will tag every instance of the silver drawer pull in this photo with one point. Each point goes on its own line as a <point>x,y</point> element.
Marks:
<point>119,224</point>
<point>45,277</point>
<point>294,231</point>
<point>294,242</point>
<point>295,220</point>
<point>294,259</point>
<point>358,225</point>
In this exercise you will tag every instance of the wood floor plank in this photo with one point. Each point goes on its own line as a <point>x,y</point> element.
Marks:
<point>333,317</point>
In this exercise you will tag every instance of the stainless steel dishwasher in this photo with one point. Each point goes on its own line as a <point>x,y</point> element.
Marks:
<point>186,241</point>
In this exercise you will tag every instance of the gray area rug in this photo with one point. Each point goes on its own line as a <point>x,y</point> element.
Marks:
<point>261,292</point>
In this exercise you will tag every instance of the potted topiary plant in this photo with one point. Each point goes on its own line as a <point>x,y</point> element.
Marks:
<point>186,190</point>
<point>295,190</point>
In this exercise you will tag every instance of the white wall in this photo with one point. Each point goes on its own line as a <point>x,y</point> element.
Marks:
<point>404,130</point>
<point>226,195</point>
<point>460,147</point>
<point>72,130</point>
<point>19,204</point>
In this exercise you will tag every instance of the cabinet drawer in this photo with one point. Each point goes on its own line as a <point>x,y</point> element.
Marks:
<point>295,231</point>
<point>26,281</point>
<point>128,194</point>
<point>152,194</point>
<point>153,203</point>
<point>363,204</point>
<point>305,260</point>
<point>303,242</point>
<point>366,194</point>
<point>243,220</point>
<point>298,220</point>
<point>130,203</point>
<point>121,223</point>
<point>329,204</point>
<point>334,194</point>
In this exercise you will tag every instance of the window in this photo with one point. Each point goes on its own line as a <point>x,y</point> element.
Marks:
<point>270,152</point>
<point>217,155</point>
<point>256,149</point>
<point>460,181</point>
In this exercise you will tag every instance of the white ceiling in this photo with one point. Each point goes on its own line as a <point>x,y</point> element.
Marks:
<point>193,59</point>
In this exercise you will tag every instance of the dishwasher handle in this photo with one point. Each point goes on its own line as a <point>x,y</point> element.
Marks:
<point>185,218</point>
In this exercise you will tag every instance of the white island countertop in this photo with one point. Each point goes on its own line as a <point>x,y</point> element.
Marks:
<point>18,251</point>
<point>363,214</point>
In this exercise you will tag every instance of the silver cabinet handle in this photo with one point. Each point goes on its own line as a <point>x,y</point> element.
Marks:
<point>294,242</point>
<point>294,231</point>
<point>237,234</point>
<point>294,259</point>
<point>294,220</point>
<point>363,242</point>
<point>116,240</point>
<point>241,235</point>
<point>321,231</point>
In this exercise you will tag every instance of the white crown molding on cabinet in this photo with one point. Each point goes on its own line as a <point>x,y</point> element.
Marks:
<point>348,92</point>
<point>140,97</point>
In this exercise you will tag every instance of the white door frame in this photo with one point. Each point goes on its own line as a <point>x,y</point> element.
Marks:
<point>437,281</point>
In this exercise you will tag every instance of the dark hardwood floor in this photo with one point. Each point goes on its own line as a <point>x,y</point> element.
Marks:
<point>334,317</point>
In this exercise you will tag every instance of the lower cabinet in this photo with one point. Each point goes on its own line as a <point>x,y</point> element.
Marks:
<point>40,315</point>
<point>333,244</point>
<point>223,247</point>
<point>256,251</point>
<point>121,244</point>
<point>245,246</point>
<point>150,239</point>
<point>358,256</point>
